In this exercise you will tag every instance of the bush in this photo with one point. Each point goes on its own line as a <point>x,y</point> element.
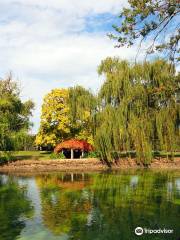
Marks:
<point>6,157</point>
<point>91,155</point>
<point>57,156</point>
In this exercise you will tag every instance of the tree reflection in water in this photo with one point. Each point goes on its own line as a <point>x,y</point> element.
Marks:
<point>64,201</point>
<point>110,205</point>
<point>14,208</point>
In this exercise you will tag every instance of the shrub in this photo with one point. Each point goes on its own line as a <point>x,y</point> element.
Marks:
<point>57,156</point>
<point>91,155</point>
<point>5,157</point>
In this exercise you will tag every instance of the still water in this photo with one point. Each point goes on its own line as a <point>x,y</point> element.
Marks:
<point>93,206</point>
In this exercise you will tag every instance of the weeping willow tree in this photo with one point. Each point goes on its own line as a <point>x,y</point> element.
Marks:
<point>138,109</point>
<point>82,108</point>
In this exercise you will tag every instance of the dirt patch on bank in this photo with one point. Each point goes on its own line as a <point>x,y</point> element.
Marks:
<point>88,164</point>
<point>160,163</point>
<point>54,165</point>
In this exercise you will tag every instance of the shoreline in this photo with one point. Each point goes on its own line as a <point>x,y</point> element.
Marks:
<point>85,165</point>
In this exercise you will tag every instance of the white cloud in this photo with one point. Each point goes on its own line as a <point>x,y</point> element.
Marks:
<point>80,7</point>
<point>46,44</point>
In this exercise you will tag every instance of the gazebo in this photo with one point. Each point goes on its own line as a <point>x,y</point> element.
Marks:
<point>73,148</point>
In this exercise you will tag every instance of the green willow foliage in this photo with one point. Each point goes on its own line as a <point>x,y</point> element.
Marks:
<point>138,109</point>
<point>82,108</point>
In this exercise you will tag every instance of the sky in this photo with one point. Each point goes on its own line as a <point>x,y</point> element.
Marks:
<point>49,44</point>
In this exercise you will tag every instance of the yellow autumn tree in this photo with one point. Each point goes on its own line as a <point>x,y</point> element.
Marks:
<point>55,122</point>
<point>66,113</point>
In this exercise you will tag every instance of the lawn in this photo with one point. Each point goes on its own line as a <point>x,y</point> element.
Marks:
<point>36,155</point>
<point>23,155</point>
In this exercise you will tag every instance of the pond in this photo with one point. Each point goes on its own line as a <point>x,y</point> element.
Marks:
<point>90,206</point>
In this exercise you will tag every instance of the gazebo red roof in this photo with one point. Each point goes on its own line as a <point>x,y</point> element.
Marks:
<point>74,144</point>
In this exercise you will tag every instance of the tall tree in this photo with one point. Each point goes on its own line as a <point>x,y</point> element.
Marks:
<point>155,22</point>
<point>14,114</point>
<point>82,104</point>
<point>66,113</point>
<point>139,109</point>
<point>55,123</point>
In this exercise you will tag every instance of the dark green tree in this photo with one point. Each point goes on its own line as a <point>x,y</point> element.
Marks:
<point>154,22</point>
<point>14,114</point>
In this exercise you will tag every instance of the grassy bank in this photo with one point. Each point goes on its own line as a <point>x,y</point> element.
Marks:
<point>47,161</point>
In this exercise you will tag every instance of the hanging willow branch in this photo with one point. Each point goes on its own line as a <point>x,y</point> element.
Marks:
<point>139,110</point>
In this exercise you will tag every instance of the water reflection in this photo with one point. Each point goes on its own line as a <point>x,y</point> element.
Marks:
<point>15,207</point>
<point>90,206</point>
<point>63,201</point>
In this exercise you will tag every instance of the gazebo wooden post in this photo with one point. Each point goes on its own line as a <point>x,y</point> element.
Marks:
<point>72,177</point>
<point>72,153</point>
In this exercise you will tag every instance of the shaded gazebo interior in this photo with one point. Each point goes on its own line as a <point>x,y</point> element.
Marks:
<point>77,153</point>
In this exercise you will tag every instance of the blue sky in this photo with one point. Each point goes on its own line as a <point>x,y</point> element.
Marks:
<point>56,43</point>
